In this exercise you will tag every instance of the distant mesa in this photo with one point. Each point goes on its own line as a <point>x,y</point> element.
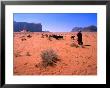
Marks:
<point>91,28</point>
<point>37,27</point>
<point>46,31</point>
<point>32,27</point>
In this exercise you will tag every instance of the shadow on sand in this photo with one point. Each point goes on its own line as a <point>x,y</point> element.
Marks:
<point>87,45</point>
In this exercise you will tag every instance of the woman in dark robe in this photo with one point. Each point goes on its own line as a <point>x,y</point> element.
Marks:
<point>79,35</point>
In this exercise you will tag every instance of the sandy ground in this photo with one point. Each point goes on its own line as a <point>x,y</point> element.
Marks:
<point>73,61</point>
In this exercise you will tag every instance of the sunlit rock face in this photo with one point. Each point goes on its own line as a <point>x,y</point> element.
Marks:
<point>32,27</point>
<point>90,28</point>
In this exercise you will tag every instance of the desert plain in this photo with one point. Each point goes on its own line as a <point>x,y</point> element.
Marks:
<point>73,60</point>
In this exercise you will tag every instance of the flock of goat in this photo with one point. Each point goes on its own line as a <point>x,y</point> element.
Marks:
<point>57,37</point>
<point>49,36</point>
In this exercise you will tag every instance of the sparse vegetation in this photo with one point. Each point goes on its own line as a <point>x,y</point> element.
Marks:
<point>34,57</point>
<point>23,39</point>
<point>49,39</point>
<point>28,54</point>
<point>17,54</point>
<point>73,45</point>
<point>49,57</point>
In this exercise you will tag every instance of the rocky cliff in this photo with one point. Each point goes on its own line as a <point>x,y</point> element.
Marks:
<point>32,27</point>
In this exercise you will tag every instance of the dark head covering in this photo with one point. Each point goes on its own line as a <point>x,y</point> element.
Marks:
<point>79,30</point>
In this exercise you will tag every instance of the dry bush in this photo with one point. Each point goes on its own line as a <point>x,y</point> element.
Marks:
<point>73,45</point>
<point>28,54</point>
<point>49,57</point>
<point>49,39</point>
<point>23,39</point>
<point>17,54</point>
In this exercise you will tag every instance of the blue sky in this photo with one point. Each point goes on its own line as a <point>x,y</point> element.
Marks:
<point>58,22</point>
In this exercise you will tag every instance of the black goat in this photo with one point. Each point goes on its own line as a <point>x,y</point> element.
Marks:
<point>56,37</point>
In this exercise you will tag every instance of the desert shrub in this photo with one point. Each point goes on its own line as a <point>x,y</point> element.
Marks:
<point>49,57</point>
<point>28,54</point>
<point>23,39</point>
<point>73,45</point>
<point>17,54</point>
<point>49,39</point>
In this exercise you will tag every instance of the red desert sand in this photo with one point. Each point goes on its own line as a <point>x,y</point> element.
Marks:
<point>73,60</point>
